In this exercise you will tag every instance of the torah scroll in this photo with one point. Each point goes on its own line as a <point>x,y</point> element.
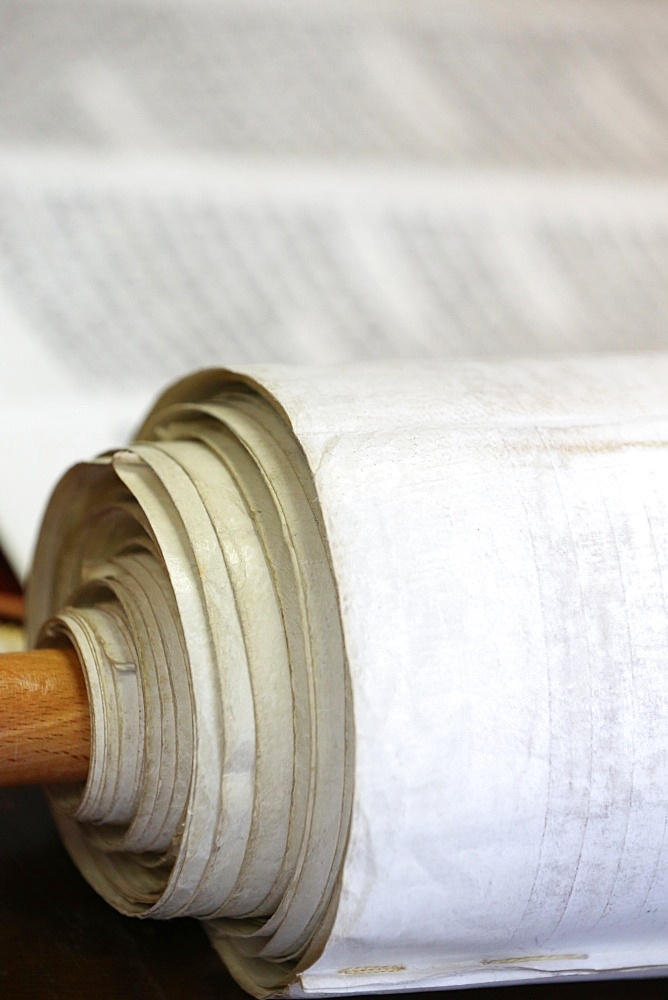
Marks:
<point>377,660</point>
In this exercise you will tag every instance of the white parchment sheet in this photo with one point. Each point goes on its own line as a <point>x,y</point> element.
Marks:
<point>500,546</point>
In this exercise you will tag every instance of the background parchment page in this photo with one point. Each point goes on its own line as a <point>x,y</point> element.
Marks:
<point>186,184</point>
<point>499,539</point>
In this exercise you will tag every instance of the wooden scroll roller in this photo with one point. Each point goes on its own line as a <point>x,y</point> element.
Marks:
<point>44,718</point>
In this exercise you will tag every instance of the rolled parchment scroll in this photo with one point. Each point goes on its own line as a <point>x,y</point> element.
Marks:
<point>377,663</point>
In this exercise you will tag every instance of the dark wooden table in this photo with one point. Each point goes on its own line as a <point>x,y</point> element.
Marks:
<point>59,941</point>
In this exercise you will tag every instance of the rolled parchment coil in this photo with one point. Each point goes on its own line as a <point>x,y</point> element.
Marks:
<point>198,592</point>
<point>376,659</point>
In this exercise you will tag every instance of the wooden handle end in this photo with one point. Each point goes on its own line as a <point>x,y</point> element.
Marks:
<point>44,718</point>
